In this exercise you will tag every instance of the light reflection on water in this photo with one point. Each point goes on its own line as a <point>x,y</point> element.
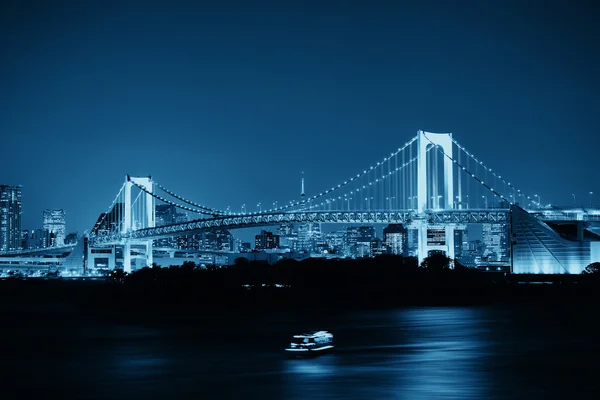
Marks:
<point>448,360</point>
<point>412,353</point>
<point>436,355</point>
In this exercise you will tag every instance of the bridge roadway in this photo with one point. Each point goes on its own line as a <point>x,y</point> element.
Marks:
<point>58,250</point>
<point>467,216</point>
<point>344,217</point>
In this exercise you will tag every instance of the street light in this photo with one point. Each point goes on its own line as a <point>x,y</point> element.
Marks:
<point>410,201</point>
<point>485,199</point>
<point>591,194</point>
<point>259,207</point>
<point>539,201</point>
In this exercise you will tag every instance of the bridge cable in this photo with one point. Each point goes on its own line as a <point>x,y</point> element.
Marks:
<point>99,223</point>
<point>211,211</point>
<point>197,211</point>
<point>371,183</point>
<point>519,193</point>
<point>339,186</point>
<point>464,169</point>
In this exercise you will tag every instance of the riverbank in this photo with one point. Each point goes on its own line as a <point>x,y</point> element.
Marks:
<point>110,296</point>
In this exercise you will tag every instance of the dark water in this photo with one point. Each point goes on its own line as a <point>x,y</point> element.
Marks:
<point>492,352</point>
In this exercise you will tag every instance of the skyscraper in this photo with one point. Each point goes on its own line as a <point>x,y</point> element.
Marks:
<point>309,234</point>
<point>54,222</point>
<point>10,217</point>
<point>495,240</point>
<point>395,237</point>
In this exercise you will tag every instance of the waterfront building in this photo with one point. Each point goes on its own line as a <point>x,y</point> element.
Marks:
<point>550,248</point>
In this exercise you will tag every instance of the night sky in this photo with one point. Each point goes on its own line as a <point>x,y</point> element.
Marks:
<point>227,103</point>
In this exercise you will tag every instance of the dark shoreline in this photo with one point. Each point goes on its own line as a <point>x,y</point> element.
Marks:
<point>108,296</point>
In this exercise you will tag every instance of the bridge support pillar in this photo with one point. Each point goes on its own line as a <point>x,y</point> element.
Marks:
<point>127,257</point>
<point>149,257</point>
<point>436,238</point>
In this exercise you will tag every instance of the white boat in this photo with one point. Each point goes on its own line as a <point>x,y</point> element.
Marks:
<point>310,344</point>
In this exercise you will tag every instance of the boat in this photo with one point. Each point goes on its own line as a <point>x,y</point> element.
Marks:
<point>310,344</point>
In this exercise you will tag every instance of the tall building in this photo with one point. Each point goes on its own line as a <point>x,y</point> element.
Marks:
<point>395,238</point>
<point>309,234</point>
<point>54,222</point>
<point>458,242</point>
<point>358,240</point>
<point>495,240</point>
<point>10,217</point>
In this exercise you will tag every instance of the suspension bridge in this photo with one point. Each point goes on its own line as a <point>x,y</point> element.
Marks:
<point>431,183</point>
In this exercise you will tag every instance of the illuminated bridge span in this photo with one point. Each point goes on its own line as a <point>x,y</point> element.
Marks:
<point>431,182</point>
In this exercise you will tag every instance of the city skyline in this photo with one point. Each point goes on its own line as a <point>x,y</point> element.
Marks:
<point>217,94</point>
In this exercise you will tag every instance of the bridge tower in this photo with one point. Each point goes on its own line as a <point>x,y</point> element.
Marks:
<point>425,140</point>
<point>146,219</point>
<point>433,238</point>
